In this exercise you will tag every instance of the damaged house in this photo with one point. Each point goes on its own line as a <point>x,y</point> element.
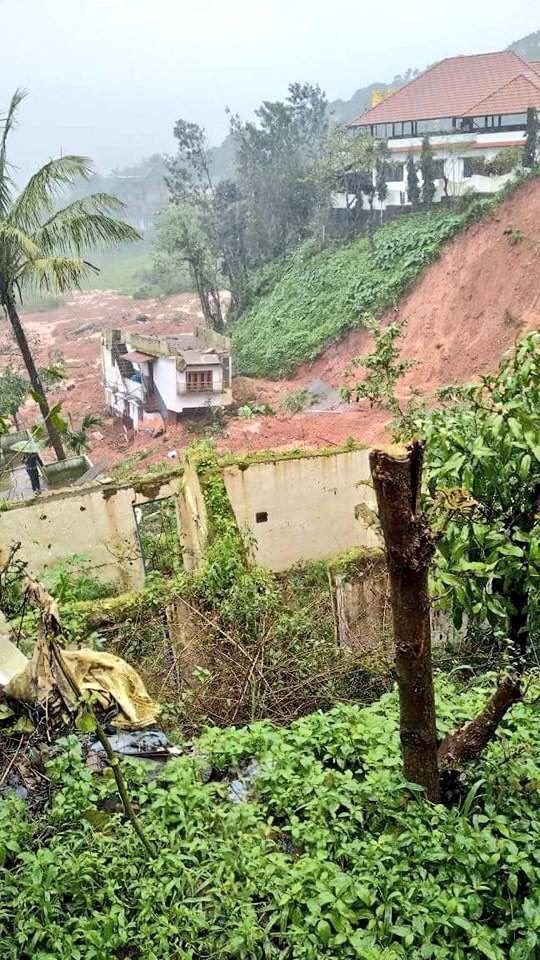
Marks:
<point>163,377</point>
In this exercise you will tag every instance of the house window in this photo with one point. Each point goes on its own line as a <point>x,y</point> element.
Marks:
<point>261,516</point>
<point>514,120</point>
<point>474,166</point>
<point>439,125</point>
<point>438,169</point>
<point>198,381</point>
<point>393,171</point>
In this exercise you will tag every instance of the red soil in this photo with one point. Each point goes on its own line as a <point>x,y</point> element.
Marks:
<point>465,311</point>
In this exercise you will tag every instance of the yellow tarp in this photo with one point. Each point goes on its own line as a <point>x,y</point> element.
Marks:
<point>109,677</point>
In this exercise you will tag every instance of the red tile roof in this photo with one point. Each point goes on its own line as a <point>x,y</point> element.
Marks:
<point>513,97</point>
<point>450,88</point>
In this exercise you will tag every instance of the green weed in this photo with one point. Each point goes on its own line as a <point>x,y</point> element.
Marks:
<point>334,856</point>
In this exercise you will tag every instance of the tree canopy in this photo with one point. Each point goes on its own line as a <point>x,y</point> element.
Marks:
<point>43,245</point>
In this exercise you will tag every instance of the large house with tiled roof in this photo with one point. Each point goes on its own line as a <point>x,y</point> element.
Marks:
<point>470,107</point>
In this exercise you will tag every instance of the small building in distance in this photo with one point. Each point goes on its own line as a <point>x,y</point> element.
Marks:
<point>473,109</point>
<point>151,377</point>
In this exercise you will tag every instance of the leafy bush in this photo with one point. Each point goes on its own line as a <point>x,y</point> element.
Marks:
<point>318,297</point>
<point>71,580</point>
<point>482,481</point>
<point>483,478</point>
<point>505,161</point>
<point>296,400</point>
<point>250,410</point>
<point>335,856</point>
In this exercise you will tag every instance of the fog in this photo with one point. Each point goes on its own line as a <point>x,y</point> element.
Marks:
<point>108,78</point>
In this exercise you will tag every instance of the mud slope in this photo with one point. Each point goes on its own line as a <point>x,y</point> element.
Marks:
<point>461,316</point>
<point>469,306</point>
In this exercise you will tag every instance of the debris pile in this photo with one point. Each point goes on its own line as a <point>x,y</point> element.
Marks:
<point>60,691</point>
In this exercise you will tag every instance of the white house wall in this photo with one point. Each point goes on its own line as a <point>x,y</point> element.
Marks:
<point>452,148</point>
<point>164,372</point>
<point>170,383</point>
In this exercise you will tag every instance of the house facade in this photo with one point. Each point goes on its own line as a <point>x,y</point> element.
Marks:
<point>148,379</point>
<point>470,107</point>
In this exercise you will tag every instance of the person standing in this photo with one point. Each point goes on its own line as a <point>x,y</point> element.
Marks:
<point>32,464</point>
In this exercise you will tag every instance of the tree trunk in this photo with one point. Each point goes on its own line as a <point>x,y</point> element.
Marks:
<point>217,315</point>
<point>35,380</point>
<point>397,474</point>
<point>518,621</point>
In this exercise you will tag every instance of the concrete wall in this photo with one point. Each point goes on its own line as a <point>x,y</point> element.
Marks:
<point>315,506</point>
<point>364,613</point>
<point>95,520</point>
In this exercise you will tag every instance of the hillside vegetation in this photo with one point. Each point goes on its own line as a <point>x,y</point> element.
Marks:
<point>334,855</point>
<point>318,298</point>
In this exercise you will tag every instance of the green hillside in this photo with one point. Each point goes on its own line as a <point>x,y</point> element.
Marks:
<point>319,297</point>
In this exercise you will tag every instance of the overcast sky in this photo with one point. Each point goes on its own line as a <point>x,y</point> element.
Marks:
<point>108,78</point>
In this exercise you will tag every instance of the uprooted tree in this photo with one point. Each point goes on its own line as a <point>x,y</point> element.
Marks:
<point>397,478</point>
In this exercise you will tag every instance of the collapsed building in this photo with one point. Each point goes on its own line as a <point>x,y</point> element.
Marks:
<point>148,379</point>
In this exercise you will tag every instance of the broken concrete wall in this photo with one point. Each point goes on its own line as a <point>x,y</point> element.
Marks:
<point>96,520</point>
<point>364,614</point>
<point>193,518</point>
<point>309,507</point>
<point>362,607</point>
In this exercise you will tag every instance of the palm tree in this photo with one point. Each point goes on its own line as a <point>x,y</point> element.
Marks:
<point>42,247</point>
<point>77,437</point>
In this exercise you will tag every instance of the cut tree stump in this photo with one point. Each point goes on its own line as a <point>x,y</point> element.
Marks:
<point>397,476</point>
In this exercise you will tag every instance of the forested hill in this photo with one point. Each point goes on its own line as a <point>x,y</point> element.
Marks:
<point>528,47</point>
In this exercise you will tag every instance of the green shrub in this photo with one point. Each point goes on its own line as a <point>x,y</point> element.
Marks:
<point>335,856</point>
<point>71,580</point>
<point>296,400</point>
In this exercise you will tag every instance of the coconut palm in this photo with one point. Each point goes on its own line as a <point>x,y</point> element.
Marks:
<point>77,437</point>
<point>43,248</point>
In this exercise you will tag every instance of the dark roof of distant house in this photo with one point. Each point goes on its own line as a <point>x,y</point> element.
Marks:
<point>452,87</point>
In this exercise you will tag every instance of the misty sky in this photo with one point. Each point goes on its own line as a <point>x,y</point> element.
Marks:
<point>107,78</point>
